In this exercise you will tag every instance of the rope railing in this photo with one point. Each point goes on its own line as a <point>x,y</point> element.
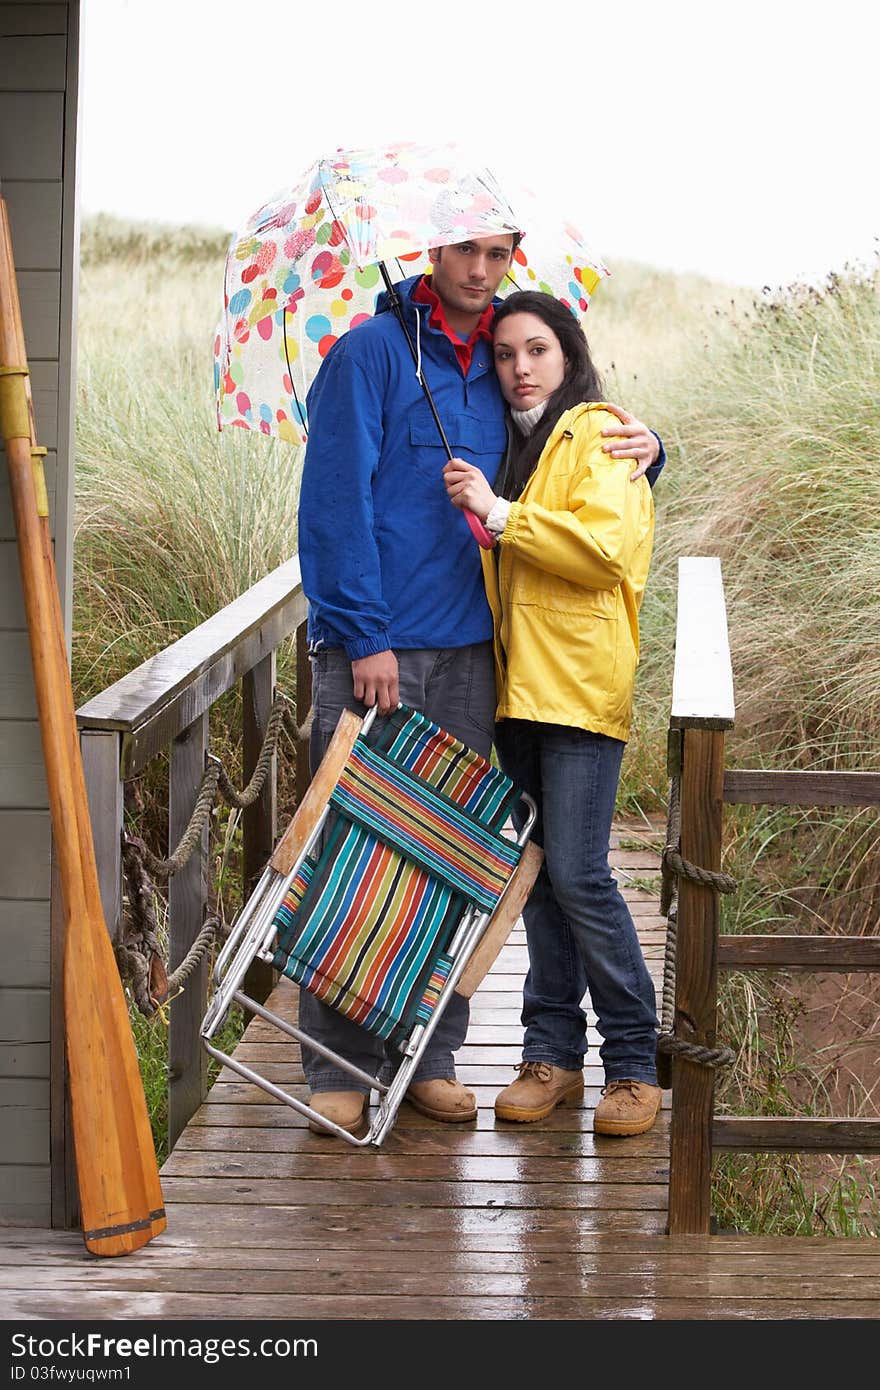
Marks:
<point>139,952</point>
<point>673,867</point>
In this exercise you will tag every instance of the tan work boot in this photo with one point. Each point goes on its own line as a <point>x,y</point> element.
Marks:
<point>538,1089</point>
<point>348,1109</point>
<point>627,1107</point>
<point>443,1099</point>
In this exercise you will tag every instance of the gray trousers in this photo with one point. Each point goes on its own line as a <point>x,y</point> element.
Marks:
<point>455,688</point>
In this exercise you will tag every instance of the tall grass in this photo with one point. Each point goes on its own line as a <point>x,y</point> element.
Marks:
<point>173,519</point>
<point>804,1045</point>
<point>768,412</point>
<point>776,468</point>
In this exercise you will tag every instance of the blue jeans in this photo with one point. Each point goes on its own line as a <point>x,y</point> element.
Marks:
<point>579,931</point>
<point>456,688</point>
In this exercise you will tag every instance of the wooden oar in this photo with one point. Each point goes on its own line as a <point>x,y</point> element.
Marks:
<point>119,1188</point>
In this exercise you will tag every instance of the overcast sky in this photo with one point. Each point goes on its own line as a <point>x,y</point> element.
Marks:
<point>738,140</point>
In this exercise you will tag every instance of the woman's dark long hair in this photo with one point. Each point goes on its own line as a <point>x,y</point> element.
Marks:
<point>580,383</point>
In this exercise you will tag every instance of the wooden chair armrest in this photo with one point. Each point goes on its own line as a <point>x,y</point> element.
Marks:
<point>502,920</point>
<point>318,793</point>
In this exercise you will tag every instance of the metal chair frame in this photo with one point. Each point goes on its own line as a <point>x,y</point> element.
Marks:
<point>252,937</point>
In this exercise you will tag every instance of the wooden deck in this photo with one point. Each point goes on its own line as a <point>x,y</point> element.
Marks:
<point>482,1221</point>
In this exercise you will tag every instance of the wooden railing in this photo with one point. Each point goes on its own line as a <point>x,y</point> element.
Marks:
<point>164,705</point>
<point>702,710</point>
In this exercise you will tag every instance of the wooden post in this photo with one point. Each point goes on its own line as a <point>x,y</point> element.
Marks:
<point>702,708</point>
<point>258,692</point>
<point>187,900</point>
<point>100,755</point>
<point>690,1158</point>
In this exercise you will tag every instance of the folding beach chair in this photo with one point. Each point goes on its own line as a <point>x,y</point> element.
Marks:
<point>392,887</point>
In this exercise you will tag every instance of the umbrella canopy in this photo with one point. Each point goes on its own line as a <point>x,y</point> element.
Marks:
<point>305,268</point>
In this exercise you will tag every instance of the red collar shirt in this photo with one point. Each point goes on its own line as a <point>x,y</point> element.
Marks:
<point>464,351</point>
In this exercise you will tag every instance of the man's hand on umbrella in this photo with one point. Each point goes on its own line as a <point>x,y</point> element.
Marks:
<point>466,487</point>
<point>632,440</point>
<point>375,681</point>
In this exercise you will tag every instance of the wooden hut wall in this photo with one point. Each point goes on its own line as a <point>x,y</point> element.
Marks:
<point>39,64</point>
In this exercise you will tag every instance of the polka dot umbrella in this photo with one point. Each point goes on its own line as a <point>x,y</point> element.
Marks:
<point>308,265</point>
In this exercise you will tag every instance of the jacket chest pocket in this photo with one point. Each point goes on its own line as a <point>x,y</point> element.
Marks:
<point>480,442</point>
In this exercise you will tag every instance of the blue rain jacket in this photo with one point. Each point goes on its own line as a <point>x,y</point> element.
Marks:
<point>387,561</point>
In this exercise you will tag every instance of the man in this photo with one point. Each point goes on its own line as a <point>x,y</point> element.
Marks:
<point>397,609</point>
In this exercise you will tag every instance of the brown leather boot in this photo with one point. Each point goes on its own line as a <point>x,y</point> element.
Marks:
<point>627,1107</point>
<point>348,1109</point>
<point>538,1089</point>
<point>443,1099</point>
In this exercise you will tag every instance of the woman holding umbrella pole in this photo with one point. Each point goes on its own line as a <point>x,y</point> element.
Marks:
<point>565,584</point>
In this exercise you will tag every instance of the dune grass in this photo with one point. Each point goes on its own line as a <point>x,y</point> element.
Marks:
<point>768,412</point>
<point>174,519</point>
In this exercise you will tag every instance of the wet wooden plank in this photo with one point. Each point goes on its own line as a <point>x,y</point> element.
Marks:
<point>261,1112</point>
<point>801,1135</point>
<point>767,787</point>
<point>777,1252</point>
<point>520,1141</point>
<point>407,1167</point>
<point>799,952</point>
<point>535,1283</point>
<point>454,1196</point>
<point>597,1254</point>
<point>360,1307</point>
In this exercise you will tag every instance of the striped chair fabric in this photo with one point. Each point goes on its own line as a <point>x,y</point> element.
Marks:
<point>414,837</point>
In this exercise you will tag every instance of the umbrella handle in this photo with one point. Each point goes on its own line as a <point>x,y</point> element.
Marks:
<point>480,532</point>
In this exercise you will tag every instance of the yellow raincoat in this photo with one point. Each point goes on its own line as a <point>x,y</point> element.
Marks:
<point>566,582</point>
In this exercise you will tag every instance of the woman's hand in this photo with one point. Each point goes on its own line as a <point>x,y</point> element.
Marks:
<point>632,441</point>
<point>467,488</point>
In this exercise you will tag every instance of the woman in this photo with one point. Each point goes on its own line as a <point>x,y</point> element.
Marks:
<point>565,583</point>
